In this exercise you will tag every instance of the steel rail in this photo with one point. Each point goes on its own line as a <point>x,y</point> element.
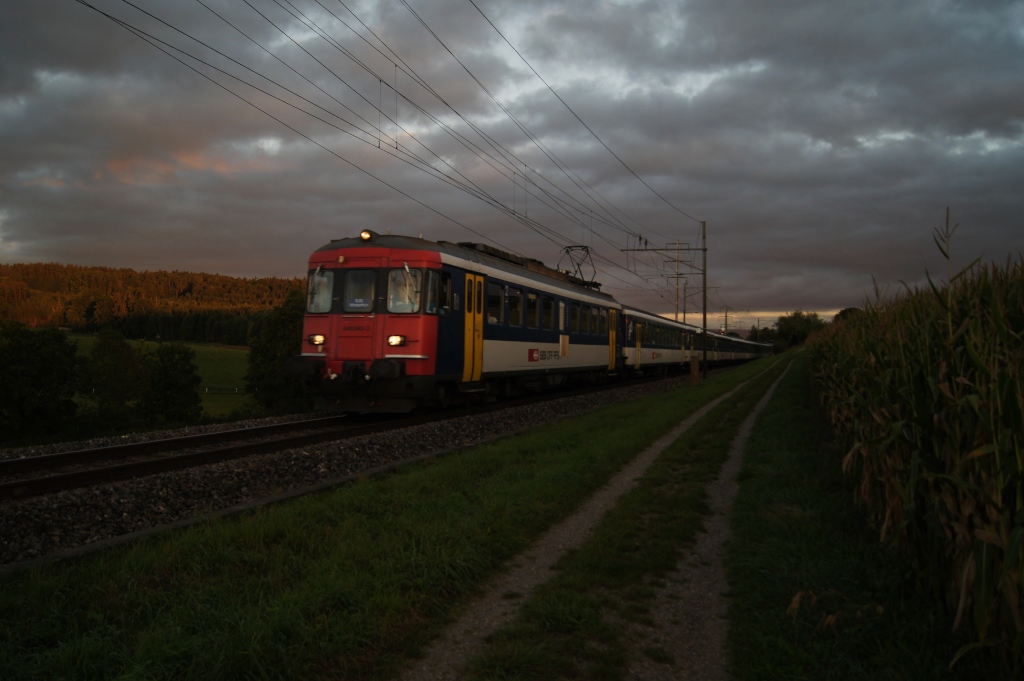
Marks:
<point>29,487</point>
<point>30,464</point>
<point>21,489</point>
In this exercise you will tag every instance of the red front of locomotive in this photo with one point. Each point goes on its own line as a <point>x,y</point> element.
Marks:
<point>370,330</point>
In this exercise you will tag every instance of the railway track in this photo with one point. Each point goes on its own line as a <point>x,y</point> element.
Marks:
<point>88,516</point>
<point>38,475</point>
<point>33,476</point>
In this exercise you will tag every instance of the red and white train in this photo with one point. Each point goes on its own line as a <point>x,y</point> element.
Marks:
<point>395,322</point>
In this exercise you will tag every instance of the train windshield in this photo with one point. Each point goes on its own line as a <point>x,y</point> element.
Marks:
<point>404,288</point>
<point>359,288</point>
<point>319,291</point>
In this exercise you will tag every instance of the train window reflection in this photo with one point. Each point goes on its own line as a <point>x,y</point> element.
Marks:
<point>515,307</point>
<point>404,287</point>
<point>319,291</point>
<point>432,291</point>
<point>532,316</point>
<point>359,290</point>
<point>548,315</point>
<point>495,303</point>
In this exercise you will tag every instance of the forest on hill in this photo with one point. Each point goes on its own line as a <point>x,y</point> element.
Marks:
<point>183,306</point>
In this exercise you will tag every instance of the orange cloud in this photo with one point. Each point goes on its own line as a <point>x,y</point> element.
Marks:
<point>155,172</point>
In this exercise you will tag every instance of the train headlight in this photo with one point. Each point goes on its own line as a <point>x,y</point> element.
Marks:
<point>317,339</point>
<point>366,235</point>
<point>396,340</point>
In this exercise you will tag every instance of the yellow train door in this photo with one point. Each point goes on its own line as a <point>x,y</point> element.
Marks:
<point>473,356</point>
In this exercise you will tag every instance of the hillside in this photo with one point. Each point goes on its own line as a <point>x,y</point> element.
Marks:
<point>167,305</point>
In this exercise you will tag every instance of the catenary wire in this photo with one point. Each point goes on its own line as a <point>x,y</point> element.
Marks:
<point>491,200</point>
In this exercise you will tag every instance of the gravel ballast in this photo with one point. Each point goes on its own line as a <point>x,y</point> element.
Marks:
<point>55,524</point>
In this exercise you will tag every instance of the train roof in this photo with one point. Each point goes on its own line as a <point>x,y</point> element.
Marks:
<point>650,316</point>
<point>498,259</point>
<point>482,254</point>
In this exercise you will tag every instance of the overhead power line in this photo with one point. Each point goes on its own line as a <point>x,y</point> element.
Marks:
<point>504,158</point>
<point>541,78</point>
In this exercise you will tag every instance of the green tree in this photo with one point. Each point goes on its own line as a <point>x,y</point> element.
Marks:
<point>793,329</point>
<point>173,394</point>
<point>279,339</point>
<point>115,375</point>
<point>37,379</point>
<point>764,334</point>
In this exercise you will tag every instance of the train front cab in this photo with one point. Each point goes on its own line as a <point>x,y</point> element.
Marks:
<point>372,326</point>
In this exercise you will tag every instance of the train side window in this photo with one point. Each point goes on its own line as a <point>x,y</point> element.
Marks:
<point>603,322</point>
<point>433,292</point>
<point>574,318</point>
<point>547,320</point>
<point>319,291</point>
<point>515,307</point>
<point>532,311</point>
<point>495,303</point>
<point>595,323</point>
<point>445,297</point>
<point>359,290</point>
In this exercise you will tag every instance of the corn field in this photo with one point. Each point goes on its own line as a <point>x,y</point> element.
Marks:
<point>925,391</point>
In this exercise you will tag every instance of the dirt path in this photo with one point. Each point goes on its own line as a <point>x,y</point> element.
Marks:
<point>695,610</point>
<point>690,616</point>
<point>462,640</point>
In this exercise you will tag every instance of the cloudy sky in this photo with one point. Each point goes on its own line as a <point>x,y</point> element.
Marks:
<point>820,141</point>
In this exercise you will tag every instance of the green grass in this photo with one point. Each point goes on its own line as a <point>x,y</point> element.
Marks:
<point>223,370</point>
<point>346,584</point>
<point>797,532</point>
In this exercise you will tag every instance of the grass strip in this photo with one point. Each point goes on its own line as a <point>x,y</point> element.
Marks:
<point>576,625</point>
<point>814,594</point>
<point>343,584</point>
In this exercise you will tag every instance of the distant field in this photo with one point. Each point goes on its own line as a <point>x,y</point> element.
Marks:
<point>221,367</point>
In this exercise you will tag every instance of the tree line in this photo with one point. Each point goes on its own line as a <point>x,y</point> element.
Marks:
<point>183,306</point>
<point>792,329</point>
<point>52,391</point>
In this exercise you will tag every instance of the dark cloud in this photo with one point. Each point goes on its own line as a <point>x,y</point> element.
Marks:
<point>821,142</point>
